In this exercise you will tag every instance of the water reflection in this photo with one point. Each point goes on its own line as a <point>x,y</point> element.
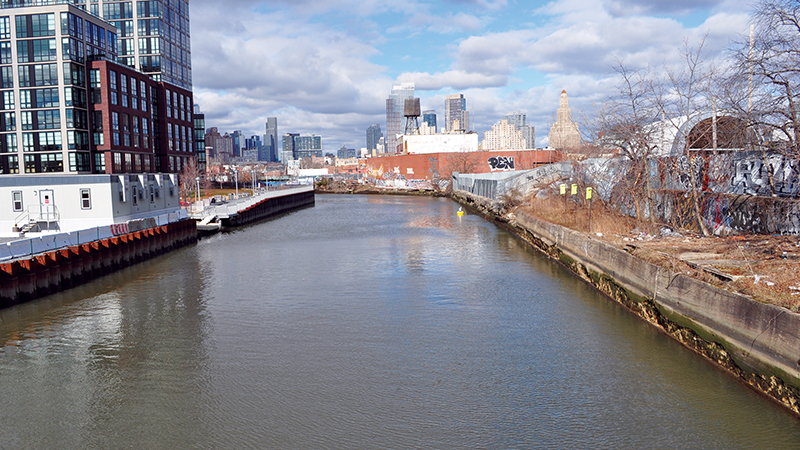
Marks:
<point>365,322</point>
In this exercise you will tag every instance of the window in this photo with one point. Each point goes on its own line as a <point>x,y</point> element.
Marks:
<point>99,162</point>
<point>94,78</point>
<point>38,98</point>
<point>9,122</point>
<point>79,162</point>
<point>37,50</point>
<point>74,74</point>
<point>16,200</point>
<point>73,49</point>
<point>5,52</point>
<point>86,199</point>
<point>78,140</point>
<point>50,140</point>
<point>11,143</point>
<point>38,75</point>
<point>36,25</point>
<point>76,118</point>
<point>51,162</point>
<point>48,120</point>
<point>5,27</point>
<point>26,120</point>
<point>75,97</point>
<point>7,77</point>
<point>8,100</point>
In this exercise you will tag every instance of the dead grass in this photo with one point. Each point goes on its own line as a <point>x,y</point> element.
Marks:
<point>766,268</point>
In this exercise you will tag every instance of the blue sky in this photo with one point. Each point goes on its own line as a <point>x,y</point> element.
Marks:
<point>326,67</point>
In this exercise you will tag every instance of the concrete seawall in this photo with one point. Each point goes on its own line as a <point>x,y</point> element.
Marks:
<point>270,207</point>
<point>756,342</point>
<point>46,273</point>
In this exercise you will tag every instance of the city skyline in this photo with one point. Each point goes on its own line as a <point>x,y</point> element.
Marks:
<point>326,67</point>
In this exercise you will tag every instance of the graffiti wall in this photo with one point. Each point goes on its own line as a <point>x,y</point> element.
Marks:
<point>752,173</point>
<point>726,214</point>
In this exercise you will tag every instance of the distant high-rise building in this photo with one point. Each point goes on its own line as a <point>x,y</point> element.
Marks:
<point>455,113</point>
<point>564,133</point>
<point>271,139</point>
<point>395,120</point>
<point>517,119</point>
<point>374,134</point>
<point>221,146</point>
<point>345,152</point>
<point>239,143</point>
<point>429,118</point>
<point>504,136</point>
<point>296,146</point>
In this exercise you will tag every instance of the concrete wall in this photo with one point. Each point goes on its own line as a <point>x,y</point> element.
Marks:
<point>497,184</point>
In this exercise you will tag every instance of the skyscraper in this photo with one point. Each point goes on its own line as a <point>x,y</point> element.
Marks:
<point>271,140</point>
<point>153,39</point>
<point>456,117</point>
<point>395,121</point>
<point>296,146</point>
<point>517,119</point>
<point>239,143</point>
<point>373,136</point>
<point>429,118</point>
<point>564,133</point>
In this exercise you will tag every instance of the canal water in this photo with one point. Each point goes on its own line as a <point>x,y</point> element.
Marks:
<point>363,322</point>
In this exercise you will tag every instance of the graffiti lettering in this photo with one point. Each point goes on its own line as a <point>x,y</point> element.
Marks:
<point>501,162</point>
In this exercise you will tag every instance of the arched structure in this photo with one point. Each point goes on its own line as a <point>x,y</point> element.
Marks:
<point>670,136</point>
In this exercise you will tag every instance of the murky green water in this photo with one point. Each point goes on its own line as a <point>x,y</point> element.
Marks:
<point>364,322</point>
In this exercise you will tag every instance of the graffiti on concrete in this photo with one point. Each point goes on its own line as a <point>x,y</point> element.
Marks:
<point>751,176</point>
<point>501,163</point>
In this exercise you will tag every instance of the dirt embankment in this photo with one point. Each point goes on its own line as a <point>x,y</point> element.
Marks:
<point>763,267</point>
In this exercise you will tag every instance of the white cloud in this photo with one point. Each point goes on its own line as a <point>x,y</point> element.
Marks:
<point>312,62</point>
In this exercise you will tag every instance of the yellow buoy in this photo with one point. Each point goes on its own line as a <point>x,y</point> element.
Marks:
<point>460,211</point>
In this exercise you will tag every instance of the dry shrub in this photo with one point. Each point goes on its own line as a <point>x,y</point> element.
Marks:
<point>575,215</point>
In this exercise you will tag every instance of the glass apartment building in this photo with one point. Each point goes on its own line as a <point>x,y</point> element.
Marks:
<point>68,106</point>
<point>395,120</point>
<point>44,125</point>
<point>153,36</point>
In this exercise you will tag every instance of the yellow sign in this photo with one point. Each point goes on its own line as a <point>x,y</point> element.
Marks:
<point>574,189</point>
<point>588,193</point>
<point>563,189</point>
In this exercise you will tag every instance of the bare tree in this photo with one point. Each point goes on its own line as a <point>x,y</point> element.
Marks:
<point>772,59</point>
<point>188,178</point>
<point>681,95</point>
<point>624,123</point>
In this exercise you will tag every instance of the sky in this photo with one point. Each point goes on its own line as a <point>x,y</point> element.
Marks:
<point>326,67</point>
